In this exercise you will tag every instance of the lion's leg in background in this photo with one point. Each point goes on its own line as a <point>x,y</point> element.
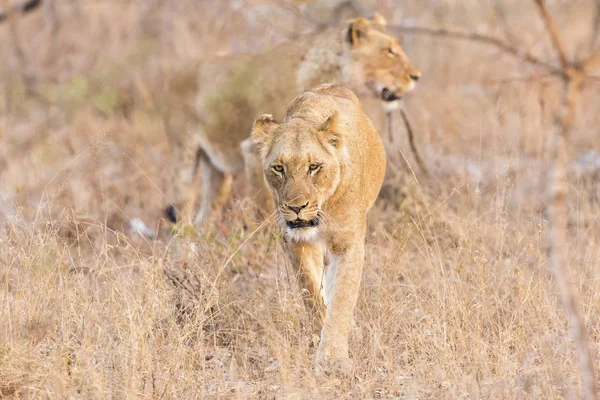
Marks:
<point>185,159</point>
<point>307,261</point>
<point>255,182</point>
<point>348,258</point>
<point>216,188</point>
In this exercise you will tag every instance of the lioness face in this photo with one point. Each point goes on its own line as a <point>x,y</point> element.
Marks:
<point>377,60</point>
<point>302,171</point>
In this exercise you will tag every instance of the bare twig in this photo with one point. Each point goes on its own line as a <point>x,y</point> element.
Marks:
<point>558,216</point>
<point>390,126</point>
<point>410,168</point>
<point>409,133</point>
<point>477,37</point>
<point>553,32</point>
<point>573,78</point>
<point>411,141</point>
<point>526,79</point>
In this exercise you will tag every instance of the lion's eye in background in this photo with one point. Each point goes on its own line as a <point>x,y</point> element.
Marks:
<point>390,52</point>
<point>278,168</point>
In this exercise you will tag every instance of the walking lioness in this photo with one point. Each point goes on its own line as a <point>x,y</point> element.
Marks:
<point>324,165</point>
<point>232,90</point>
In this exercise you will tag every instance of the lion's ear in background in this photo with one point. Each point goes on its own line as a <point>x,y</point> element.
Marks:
<point>358,31</point>
<point>378,20</point>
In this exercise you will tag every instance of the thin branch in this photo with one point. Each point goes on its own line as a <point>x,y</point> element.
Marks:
<point>477,37</point>
<point>527,79</point>
<point>558,217</point>
<point>553,32</point>
<point>390,126</point>
<point>411,141</point>
<point>573,78</point>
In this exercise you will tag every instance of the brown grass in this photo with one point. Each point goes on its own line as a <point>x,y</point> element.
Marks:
<point>457,299</point>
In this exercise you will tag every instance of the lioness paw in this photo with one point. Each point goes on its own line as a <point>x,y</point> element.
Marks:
<point>334,366</point>
<point>171,213</point>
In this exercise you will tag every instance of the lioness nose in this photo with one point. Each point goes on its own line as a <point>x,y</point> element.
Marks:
<point>415,76</point>
<point>297,209</point>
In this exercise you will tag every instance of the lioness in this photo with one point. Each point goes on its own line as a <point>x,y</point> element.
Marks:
<point>324,165</point>
<point>230,89</point>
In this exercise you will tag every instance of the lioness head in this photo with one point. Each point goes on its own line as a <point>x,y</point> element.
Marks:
<point>376,60</point>
<point>301,163</point>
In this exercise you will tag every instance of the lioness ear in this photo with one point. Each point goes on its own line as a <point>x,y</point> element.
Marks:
<point>329,128</point>
<point>378,20</point>
<point>262,130</point>
<point>358,30</point>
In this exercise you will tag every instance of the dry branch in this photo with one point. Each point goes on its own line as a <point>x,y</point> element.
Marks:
<point>390,126</point>
<point>411,141</point>
<point>411,137</point>
<point>573,79</point>
<point>557,211</point>
<point>553,32</point>
<point>573,75</point>
<point>480,38</point>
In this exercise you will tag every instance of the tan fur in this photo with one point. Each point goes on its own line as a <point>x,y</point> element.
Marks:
<point>324,163</point>
<point>26,7</point>
<point>233,90</point>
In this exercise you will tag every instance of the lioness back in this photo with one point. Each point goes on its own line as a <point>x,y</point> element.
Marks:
<point>337,91</point>
<point>233,90</point>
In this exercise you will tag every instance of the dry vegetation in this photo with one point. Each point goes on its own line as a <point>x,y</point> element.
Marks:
<point>457,299</point>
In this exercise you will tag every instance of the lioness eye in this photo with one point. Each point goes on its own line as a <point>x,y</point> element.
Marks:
<point>313,167</point>
<point>390,51</point>
<point>278,168</point>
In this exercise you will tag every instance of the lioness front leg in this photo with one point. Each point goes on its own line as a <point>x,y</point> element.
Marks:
<point>255,182</point>
<point>185,161</point>
<point>332,354</point>
<point>307,261</point>
<point>216,188</point>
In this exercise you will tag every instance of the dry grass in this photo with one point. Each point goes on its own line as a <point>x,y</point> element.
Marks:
<point>457,300</point>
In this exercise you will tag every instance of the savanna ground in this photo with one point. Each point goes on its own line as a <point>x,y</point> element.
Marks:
<point>457,299</point>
